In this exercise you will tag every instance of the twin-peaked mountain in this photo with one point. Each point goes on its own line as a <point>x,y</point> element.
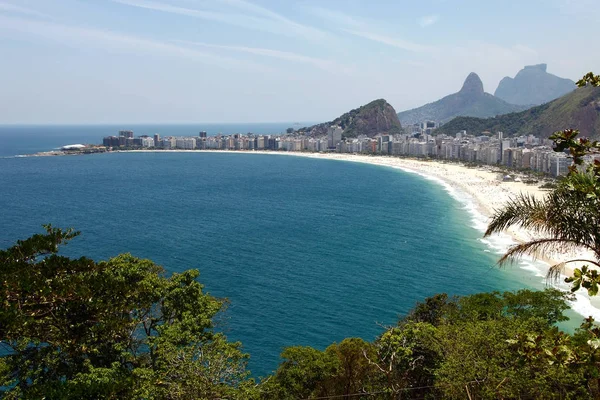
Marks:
<point>377,117</point>
<point>533,86</point>
<point>471,101</point>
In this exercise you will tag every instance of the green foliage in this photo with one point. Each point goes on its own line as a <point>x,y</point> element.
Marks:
<point>342,369</point>
<point>433,310</point>
<point>589,79</point>
<point>484,346</point>
<point>500,358</point>
<point>74,328</point>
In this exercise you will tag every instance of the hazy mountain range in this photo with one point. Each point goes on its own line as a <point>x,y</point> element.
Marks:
<point>579,109</point>
<point>474,110</point>
<point>533,86</point>
<point>471,101</point>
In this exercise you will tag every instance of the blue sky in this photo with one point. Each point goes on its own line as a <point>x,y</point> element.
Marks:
<point>113,61</point>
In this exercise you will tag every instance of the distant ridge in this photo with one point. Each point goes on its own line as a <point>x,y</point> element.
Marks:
<point>471,101</point>
<point>376,117</point>
<point>533,86</point>
<point>579,109</point>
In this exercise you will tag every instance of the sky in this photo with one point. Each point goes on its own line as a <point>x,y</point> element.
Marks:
<point>235,61</point>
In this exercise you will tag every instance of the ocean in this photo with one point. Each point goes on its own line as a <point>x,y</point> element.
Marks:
<point>307,251</point>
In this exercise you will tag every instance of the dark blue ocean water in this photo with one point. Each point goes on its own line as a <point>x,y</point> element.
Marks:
<point>307,251</point>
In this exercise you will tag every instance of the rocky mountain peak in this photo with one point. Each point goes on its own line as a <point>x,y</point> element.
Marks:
<point>472,85</point>
<point>540,67</point>
<point>533,85</point>
<point>375,118</point>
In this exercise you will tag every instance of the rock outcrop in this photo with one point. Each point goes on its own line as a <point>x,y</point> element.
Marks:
<point>533,86</point>
<point>377,117</point>
<point>471,101</point>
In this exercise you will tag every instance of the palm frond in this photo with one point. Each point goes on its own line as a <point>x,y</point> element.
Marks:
<point>538,246</point>
<point>556,270</point>
<point>524,210</point>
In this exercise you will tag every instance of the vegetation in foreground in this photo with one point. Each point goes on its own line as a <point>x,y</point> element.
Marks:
<point>75,328</point>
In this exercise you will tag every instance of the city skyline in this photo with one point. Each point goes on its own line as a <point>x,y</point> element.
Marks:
<point>234,61</point>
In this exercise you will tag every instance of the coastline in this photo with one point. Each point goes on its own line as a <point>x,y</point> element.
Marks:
<point>488,193</point>
<point>481,190</point>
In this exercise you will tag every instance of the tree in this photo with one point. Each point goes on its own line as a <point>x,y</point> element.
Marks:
<point>568,218</point>
<point>76,328</point>
<point>343,370</point>
<point>505,358</point>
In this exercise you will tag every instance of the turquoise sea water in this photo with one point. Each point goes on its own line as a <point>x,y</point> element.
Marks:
<point>307,251</point>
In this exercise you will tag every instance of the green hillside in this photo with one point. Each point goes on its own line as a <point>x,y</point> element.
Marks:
<point>579,109</point>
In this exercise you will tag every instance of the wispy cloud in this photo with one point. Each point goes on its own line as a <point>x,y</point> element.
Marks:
<point>11,8</point>
<point>428,20</point>
<point>337,17</point>
<point>282,55</point>
<point>238,13</point>
<point>367,30</point>
<point>390,41</point>
<point>115,41</point>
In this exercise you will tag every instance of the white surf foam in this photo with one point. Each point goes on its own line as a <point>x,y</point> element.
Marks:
<point>499,244</point>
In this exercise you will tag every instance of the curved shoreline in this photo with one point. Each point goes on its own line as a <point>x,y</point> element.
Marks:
<point>486,192</point>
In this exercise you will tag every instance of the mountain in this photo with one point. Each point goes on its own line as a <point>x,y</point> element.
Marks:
<point>377,117</point>
<point>471,101</point>
<point>533,86</point>
<point>579,109</point>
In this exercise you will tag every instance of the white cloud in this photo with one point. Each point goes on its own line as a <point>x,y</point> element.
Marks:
<point>367,30</point>
<point>337,17</point>
<point>390,41</point>
<point>428,20</point>
<point>262,20</point>
<point>283,55</point>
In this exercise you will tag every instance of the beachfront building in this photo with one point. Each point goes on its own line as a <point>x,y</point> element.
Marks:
<point>523,152</point>
<point>559,164</point>
<point>334,136</point>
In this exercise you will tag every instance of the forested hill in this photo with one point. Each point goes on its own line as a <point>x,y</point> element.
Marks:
<point>471,101</point>
<point>377,117</point>
<point>579,109</point>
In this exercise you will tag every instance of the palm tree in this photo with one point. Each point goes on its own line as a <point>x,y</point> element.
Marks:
<point>568,218</point>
